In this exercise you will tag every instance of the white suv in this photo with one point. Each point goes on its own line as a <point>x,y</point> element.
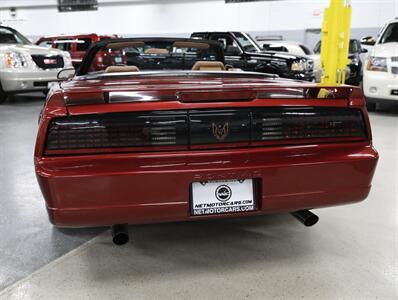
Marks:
<point>380,76</point>
<point>25,67</point>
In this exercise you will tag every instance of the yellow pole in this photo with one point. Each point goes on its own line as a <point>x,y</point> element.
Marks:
<point>335,41</point>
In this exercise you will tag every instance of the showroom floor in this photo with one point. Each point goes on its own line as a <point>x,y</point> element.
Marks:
<point>351,254</point>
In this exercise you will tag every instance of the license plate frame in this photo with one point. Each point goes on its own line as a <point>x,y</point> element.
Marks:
<point>204,197</point>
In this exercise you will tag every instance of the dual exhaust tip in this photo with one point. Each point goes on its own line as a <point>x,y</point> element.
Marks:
<point>120,232</point>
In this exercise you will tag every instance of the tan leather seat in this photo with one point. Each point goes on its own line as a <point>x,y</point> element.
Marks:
<point>208,66</point>
<point>118,69</point>
<point>156,51</point>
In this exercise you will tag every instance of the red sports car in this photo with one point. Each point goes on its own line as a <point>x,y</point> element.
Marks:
<point>175,135</point>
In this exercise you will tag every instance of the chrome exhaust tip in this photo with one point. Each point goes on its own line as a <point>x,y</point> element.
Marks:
<point>120,234</point>
<point>306,217</point>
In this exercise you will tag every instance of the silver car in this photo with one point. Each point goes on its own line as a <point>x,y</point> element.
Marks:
<point>25,67</point>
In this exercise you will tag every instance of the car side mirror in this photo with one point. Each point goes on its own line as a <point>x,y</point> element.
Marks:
<point>363,50</point>
<point>66,74</point>
<point>368,41</point>
<point>232,51</point>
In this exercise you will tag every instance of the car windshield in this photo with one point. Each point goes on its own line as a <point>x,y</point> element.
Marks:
<point>149,55</point>
<point>390,35</point>
<point>247,42</point>
<point>11,36</point>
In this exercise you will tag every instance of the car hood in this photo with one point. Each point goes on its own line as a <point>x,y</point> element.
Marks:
<point>30,49</point>
<point>276,55</point>
<point>385,50</point>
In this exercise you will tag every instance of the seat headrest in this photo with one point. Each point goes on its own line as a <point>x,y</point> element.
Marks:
<point>156,51</point>
<point>118,69</point>
<point>208,66</point>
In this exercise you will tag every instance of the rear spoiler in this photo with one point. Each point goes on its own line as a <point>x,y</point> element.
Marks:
<point>217,95</point>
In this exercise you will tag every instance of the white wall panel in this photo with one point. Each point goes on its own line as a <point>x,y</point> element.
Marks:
<point>178,17</point>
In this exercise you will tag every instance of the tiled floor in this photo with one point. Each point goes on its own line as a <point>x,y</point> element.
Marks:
<point>351,254</point>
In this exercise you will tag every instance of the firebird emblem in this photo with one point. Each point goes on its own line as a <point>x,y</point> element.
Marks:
<point>220,131</point>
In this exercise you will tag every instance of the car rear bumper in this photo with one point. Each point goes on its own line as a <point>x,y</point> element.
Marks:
<point>379,85</point>
<point>147,188</point>
<point>18,81</point>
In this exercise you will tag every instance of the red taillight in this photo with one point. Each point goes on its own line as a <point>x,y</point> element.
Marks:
<point>306,123</point>
<point>121,130</point>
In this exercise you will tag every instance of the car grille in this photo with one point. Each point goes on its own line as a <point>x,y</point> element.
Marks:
<point>203,129</point>
<point>394,59</point>
<point>48,62</point>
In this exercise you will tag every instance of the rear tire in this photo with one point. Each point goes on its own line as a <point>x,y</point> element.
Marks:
<point>371,106</point>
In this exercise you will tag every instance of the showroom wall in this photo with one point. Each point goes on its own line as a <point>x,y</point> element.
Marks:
<point>155,17</point>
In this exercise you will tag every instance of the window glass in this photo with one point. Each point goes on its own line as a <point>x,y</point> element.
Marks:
<point>317,48</point>
<point>248,44</point>
<point>11,36</point>
<point>63,44</point>
<point>45,43</point>
<point>198,36</point>
<point>229,45</point>
<point>390,35</point>
<point>83,44</point>
<point>354,46</point>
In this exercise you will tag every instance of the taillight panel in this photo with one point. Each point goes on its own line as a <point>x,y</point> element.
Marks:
<point>121,130</point>
<point>293,123</point>
<point>195,129</point>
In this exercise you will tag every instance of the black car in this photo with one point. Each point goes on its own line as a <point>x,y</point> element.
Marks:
<point>241,51</point>
<point>355,62</point>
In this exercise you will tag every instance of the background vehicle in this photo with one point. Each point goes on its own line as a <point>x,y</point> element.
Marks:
<point>77,45</point>
<point>25,67</point>
<point>241,51</point>
<point>356,57</point>
<point>294,48</point>
<point>380,82</point>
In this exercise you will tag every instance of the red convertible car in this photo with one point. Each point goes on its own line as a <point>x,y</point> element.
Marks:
<point>175,135</point>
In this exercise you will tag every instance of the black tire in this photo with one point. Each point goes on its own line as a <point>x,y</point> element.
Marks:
<point>3,95</point>
<point>371,106</point>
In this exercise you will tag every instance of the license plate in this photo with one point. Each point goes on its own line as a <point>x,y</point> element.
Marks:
<point>222,197</point>
<point>118,60</point>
